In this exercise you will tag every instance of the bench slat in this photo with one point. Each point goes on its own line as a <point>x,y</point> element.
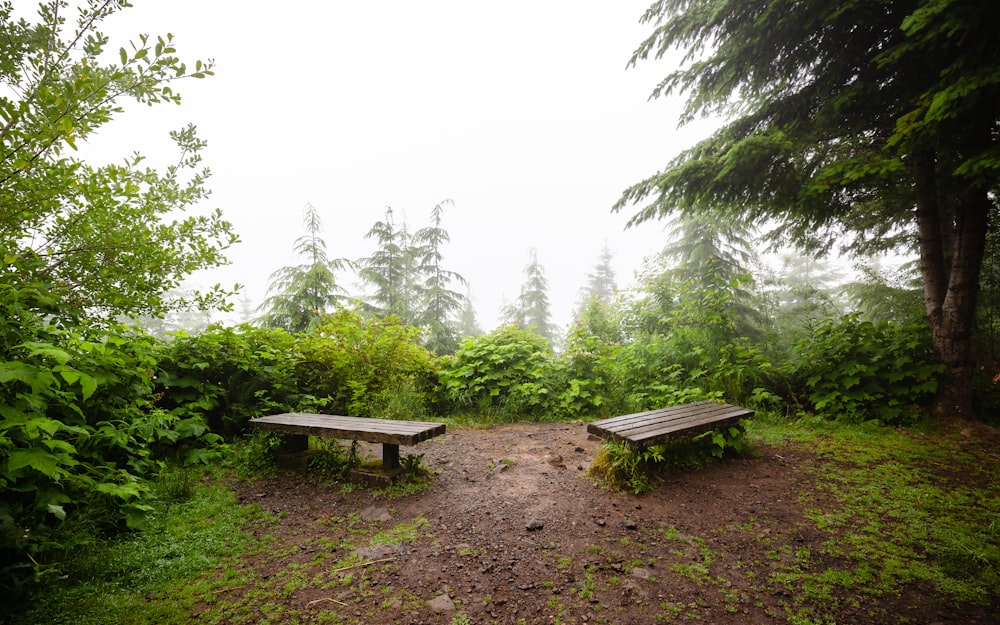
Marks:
<point>659,426</point>
<point>350,428</point>
<point>698,410</point>
<point>679,422</point>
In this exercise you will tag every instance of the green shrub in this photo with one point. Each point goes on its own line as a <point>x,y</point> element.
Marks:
<point>331,460</point>
<point>228,375</point>
<point>651,377</point>
<point>586,378</point>
<point>404,402</point>
<point>351,362</point>
<point>256,454</point>
<point>504,372</point>
<point>857,370</point>
<point>79,435</point>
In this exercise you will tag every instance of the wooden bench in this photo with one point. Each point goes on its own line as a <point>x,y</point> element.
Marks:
<point>643,429</point>
<point>390,433</point>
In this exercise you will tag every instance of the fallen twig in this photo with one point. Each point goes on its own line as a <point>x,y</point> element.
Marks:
<point>231,588</point>
<point>310,604</point>
<point>357,566</point>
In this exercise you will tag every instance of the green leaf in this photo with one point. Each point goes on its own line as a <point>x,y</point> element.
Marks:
<point>22,372</point>
<point>48,350</point>
<point>69,374</point>
<point>44,424</point>
<point>190,428</point>
<point>58,511</point>
<point>200,456</point>
<point>125,492</point>
<point>57,445</point>
<point>87,385</point>
<point>136,515</point>
<point>37,459</point>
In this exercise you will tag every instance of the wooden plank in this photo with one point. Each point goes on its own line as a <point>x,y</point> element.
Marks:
<point>663,435</point>
<point>661,414</point>
<point>661,432</point>
<point>350,428</point>
<point>666,425</point>
<point>675,412</point>
<point>683,422</point>
<point>643,429</point>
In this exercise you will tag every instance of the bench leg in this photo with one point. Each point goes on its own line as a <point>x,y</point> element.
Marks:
<point>296,442</point>
<point>390,456</point>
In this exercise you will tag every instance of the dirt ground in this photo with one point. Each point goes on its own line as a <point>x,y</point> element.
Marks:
<point>514,531</point>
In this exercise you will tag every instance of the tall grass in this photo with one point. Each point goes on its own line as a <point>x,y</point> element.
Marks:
<point>187,548</point>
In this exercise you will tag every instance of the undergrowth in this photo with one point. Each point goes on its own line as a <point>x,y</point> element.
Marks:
<point>622,467</point>
<point>173,558</point>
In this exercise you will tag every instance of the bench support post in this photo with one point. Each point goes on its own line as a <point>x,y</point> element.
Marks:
<point>296,442</point>
<point>390,456</point>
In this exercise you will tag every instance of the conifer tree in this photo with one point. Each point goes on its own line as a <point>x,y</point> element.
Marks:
<point>531,309</point>
<point>300,294</point>
<point>468,325</point>
<point>593,314</point>
<point>601,283</point>
<point>874,123</point>
<point>713,255</point>
<point>390,269</point>
<point>440,302</point>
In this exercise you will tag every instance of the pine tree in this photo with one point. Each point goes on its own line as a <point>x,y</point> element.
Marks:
<point>531,309</point>
<point>300,294</point>
<point>867,124</point>
<point>468,326</point>
<point>593,314</point>
<point>440,302</point>
<point>390,269</point>
<point>884,294</point>
<point>712,255</point>
<point>799,295</point>
<point>601,283</point>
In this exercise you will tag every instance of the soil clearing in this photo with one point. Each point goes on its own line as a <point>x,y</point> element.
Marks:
<point>513,530</point>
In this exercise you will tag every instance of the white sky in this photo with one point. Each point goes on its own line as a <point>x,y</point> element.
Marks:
<point>522,113</point>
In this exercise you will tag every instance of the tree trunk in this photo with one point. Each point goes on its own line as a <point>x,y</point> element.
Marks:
<point>951,283</point>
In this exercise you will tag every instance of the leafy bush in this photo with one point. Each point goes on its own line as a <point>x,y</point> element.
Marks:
<point>79,436</point>
<point>857,370</point>
<point>228,375</point>
<point>506,371</point>
<point>256,454</point>
<point>743,373</point>
<point>651,377</point>
<point>352,361</point>
<point>586,378</point>
<point>404,402</point>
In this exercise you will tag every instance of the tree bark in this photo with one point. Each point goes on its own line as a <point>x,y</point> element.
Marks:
<point>951,257</point>
<point>930,237</point>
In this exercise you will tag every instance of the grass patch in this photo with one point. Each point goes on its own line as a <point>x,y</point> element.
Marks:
<point>406,532</point>
<point>901,507</point>
<point>180,557</point>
